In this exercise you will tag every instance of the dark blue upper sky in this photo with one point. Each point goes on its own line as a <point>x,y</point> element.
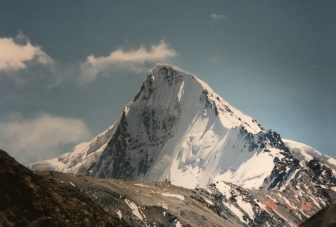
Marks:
<point>274,60</point>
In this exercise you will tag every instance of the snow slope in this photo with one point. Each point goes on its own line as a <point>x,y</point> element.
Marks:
<point>178,129</point>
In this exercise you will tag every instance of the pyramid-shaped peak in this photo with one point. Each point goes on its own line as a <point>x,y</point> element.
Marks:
<point>174,75</point>
<point>164,67</point>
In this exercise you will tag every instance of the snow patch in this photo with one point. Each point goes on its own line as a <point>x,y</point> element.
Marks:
<point>135,209</point>
<point>180,197</point>
<point>119,214</point>
<point>178,223</point>
<point>223,188</point>
<point>332,161</point>
<point>163,205</point>
<point>209,201</point>
<point>142,185</point>
<point>247,207</point>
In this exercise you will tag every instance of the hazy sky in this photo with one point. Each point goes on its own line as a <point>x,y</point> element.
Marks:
<point>67,68</point>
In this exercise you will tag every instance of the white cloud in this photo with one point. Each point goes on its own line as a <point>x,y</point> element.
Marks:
<point>41,137</point>
<point>15,56</point>
<point>133,60</point>
<point>216,16</point>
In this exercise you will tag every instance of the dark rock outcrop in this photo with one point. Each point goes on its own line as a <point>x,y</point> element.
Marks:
<point>324,218</point>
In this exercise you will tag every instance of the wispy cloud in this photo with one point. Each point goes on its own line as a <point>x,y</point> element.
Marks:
<point>217,17</point>
<point>16,53</point>
<point>133,60</point>
<point>41,137</point>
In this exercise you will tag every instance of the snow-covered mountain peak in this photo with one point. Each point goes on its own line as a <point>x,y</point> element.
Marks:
<point>178,129</point>
<point>168,85</point>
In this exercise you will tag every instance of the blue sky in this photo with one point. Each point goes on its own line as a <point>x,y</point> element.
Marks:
<point>73,65</point>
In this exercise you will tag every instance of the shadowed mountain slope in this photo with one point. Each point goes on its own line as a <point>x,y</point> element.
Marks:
<point>28,199</point>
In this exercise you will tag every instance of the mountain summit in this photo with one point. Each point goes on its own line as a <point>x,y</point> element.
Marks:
<point>178,129</point>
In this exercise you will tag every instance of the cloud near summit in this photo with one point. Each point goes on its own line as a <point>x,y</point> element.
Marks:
<point>133,60</point>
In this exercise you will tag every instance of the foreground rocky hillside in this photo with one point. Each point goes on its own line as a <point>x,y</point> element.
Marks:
<point>59,199</point>
<point>29,199</point>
